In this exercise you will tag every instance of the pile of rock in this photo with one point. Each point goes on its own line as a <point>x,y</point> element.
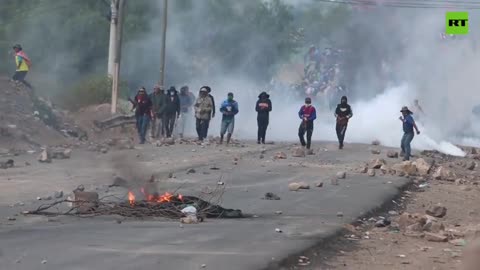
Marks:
<point>419,167</point>
<point>429,226</point>
<point>55,153</point>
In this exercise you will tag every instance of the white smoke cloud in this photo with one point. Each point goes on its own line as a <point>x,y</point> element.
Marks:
<point>441,74</point>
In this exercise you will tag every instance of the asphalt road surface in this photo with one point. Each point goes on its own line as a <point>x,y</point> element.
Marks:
<point>308,216</point>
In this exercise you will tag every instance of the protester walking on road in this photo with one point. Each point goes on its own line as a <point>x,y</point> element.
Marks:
<point>308,114</point>
<point>203,113</point>
<point>172,111</point>
<point>23,64</point>
<point>229,109</point>
<point>263,108</point>
<point>143,112</point>
<point>158,108</point>
<point>408,126</point>
<point>343,113</point>
<point>187,99</point>
<point>209,90</point>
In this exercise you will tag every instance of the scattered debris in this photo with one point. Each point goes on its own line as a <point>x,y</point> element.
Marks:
<point>375,151</point>
<point>303,261</point>
<point>383,223</point>
<point>85,202</point>
<point>280,155</point>
<point>392,154</point>
<point>11,218</point>
<point>378,163</point>
<point>298,152</point>
<point>220,183</point>
<point>271,196</point>
<point>471,165</point>
<point>310,152</point>
<point>407,167</point>
<point>339,214</point>
<point>45,157</point>
<point>319,184</point>
<point>7,164</point>
<point>191,170</point>
<point>203,265</point>
<point>341,175</point>
<point>60,153</point>
<point>443,173</point>
<point>304,185</point>
<point>278,212</point>
<point>437,211</point>
<point>278,230</point>
<point>393,213</point>
<point>423,166</point>
<point>371,172</point>
<point>44,261</point>
<point>433,237</point>
<point>294,186</point>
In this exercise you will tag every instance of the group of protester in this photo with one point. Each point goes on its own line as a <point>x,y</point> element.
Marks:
<point>163,112</point>
<point>166,112</point>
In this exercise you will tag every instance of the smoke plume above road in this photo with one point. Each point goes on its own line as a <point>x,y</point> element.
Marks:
<point>440,73</point>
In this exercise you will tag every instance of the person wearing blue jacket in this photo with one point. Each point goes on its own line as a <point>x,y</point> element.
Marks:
<point>229,109</point>
<point>308,114</point>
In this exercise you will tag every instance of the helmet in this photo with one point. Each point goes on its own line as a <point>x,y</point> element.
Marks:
<point>17,46</point>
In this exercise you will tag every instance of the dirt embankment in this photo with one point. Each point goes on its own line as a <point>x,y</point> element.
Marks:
<point>433,225</point>
<point>29,122</point>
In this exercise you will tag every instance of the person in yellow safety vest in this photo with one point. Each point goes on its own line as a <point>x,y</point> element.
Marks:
<point>22,66</point>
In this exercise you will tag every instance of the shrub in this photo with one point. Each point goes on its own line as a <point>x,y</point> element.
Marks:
<point>92,90</point>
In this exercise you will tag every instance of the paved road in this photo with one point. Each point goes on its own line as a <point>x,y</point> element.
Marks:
<point>252,243</point>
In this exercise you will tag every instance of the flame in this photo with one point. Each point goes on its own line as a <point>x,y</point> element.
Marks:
<point>155,198</point>
<point>167,197</point>
<point>131,198</point>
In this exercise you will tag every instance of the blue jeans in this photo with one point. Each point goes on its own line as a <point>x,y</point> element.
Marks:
<point>142,126</point>
<point>405,144</point>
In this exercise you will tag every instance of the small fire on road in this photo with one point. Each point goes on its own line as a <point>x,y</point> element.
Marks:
<point>154,198</point>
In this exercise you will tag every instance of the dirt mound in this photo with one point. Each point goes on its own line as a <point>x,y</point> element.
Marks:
<point>28,122</point>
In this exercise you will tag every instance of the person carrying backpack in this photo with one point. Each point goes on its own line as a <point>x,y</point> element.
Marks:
<point>23,64</point>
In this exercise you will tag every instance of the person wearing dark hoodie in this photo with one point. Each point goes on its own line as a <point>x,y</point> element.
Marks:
<point>343,113</point>
<point>308,114</point>
<point>172,111</point>
<point>143,112</point>
<point>263,108</point>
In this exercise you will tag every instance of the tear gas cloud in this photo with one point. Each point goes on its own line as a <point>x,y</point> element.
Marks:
<point>441,74</point>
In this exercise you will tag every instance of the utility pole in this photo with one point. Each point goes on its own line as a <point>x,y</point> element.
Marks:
<point>118,54</point>
<point>164,41</point>
<point>113,35</point>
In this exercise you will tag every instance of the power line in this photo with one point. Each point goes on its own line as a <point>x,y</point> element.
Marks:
<point>404,4</point>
